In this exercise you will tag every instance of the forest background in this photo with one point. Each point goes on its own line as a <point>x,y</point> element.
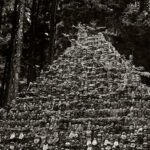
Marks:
<point>33,33</point>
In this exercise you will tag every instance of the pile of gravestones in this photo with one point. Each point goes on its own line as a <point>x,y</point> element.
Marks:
<point>91,98</point>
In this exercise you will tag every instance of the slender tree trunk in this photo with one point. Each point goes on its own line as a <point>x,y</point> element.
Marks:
<point>12,69</point>
<point>31,67</point>
<point>1,11</point>
<point>19,46</point>
<point>52,31</point>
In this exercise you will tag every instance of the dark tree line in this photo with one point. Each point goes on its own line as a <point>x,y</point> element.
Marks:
<point>12,66</point>
<point>11,76</point>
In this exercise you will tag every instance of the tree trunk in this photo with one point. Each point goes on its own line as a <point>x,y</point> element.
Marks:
<point>1,11</point>
<point>12,68</point>
<point>52,32</point>
<point>31,67</point>
<point>7,69</point>
<point>19,46</point>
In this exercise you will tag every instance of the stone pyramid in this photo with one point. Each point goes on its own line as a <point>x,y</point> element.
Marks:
<point>91,98</point>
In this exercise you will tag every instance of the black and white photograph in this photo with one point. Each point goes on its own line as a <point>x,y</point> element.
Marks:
<point>74,74</point>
